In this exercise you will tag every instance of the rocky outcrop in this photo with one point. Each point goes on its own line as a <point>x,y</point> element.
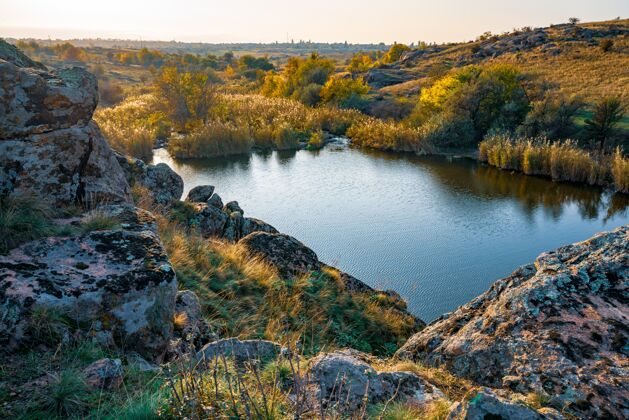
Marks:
<point>104,374</point>
<point>487,405</point>
<point>49,146</point>
<point>115,285</point>
<point>164,184</point>
<point>557,327</point>
<point>226,222</point>
<point>344,378</point>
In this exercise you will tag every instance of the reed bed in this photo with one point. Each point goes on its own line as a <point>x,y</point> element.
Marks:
<point>562,161</point>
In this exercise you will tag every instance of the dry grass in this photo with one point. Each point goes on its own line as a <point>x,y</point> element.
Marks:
<point>387,135</point>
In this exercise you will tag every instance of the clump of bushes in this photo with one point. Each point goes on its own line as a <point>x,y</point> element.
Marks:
<point>213,139</point>
<point>562,161</point>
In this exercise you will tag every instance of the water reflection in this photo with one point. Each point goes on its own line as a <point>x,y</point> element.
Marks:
<point>438,231</point>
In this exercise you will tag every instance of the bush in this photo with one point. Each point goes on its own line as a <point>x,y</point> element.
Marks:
<point>607,113</point>
<point>345,92</point>
<point>551,117</point>
<point>606,45</point>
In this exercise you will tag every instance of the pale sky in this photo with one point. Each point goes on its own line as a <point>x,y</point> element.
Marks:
<point>276,20</point>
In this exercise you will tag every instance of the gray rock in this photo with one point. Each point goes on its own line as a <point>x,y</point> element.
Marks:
<point>487,405</point>
<point>215,201</point>
<point>208,220</point>
<point>64,166</point>
<point>284,252</point>
<point>233,206</point>
<point>164,184</point>
<point>104,374</point>
<point>250,225</point>
<point>49,146</point>
<point>546,328</point>
<point>118,284</point>
<point>241,350</point>
<point>345,378</point>
<point>36,101</point>
<point>200,194</point>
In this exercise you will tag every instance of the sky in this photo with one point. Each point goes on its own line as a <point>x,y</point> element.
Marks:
<point>354,21</point>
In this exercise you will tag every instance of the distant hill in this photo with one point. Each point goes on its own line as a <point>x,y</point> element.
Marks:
<point>571,57</point>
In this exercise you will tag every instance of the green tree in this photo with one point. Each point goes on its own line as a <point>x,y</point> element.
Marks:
<point>395,52</point>
<point>345,92</point>
<point>185,97</point>
<point>607,113</point>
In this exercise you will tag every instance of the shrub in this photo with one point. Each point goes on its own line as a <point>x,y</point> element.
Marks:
<point>345,92</point>
<point>606,45</point>
<point>607,113</point>
<point>395,52</point>
<point>551,117</point>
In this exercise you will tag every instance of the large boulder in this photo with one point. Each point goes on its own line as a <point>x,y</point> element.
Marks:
<point>116,285</point>
<point>557,327</point>
<point>34,100</point>
<point>343,379</point>
<point>164,184</point>
<point>241,350</point>
<point>49,146</point>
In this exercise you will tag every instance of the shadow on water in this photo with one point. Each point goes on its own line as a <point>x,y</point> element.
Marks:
<point>483,182</point>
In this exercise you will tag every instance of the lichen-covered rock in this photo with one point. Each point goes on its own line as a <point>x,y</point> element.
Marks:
<point>116,285</point>
<point>164,184</point>
<point>487,405</point>
<point>65,166</point>
<point>558,327</point>
<point>200,193</point>
<point>241,350</point>
<point>49,147</point>
<point>104,374</point>
<point>34,100</point>
<point>284,252</point>
<point>344,378</point>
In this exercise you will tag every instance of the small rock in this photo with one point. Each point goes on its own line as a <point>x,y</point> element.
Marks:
<point>215,201</point>
<point>104,374</point>
<point>241,350</point>
<point>233,206</point>
<point>284,252</point>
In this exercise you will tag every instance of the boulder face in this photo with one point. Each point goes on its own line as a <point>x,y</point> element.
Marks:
<point>49,146</point>
<point>557,327</point>
<point>487,405</point>
<point>344,378</point>
<point>284,252</point>
<point>117,285</point>
<point>164,184</point>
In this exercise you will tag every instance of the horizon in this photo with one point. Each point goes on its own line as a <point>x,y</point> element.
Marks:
<point>280,21</point>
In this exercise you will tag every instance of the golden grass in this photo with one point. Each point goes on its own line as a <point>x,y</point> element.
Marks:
<point>386,135</point>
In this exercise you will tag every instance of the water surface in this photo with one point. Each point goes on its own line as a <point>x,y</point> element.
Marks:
<point>438,231</point>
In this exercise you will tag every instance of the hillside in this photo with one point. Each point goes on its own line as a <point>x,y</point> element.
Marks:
<point>568,56</point>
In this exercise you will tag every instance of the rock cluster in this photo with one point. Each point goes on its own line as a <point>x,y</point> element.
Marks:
<point>557,327</point>
<point>163,184</point>
<point>49,146</point>
<point>213,219</point>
